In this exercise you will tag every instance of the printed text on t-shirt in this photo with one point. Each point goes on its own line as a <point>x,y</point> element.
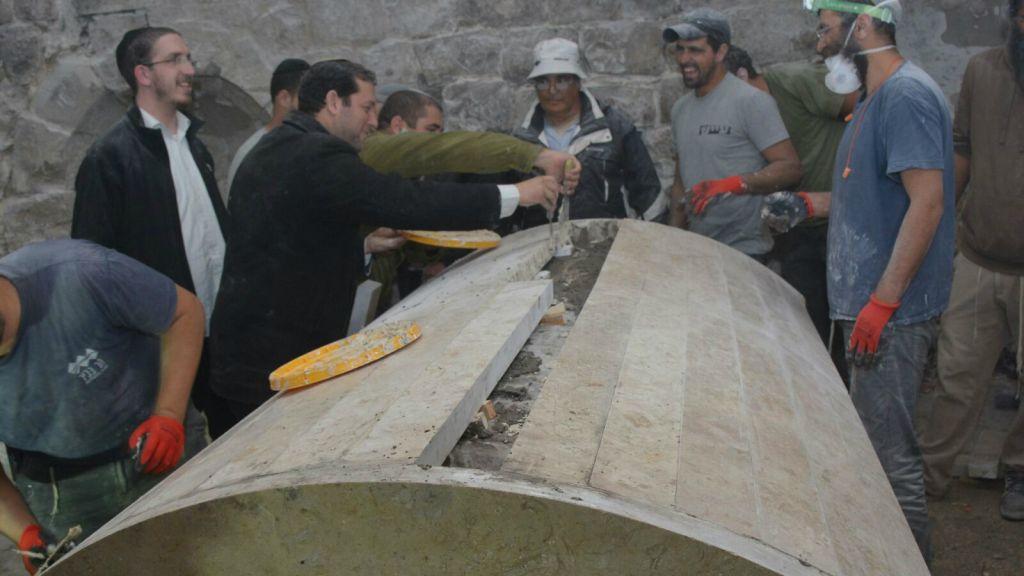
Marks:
<point>714,129</point>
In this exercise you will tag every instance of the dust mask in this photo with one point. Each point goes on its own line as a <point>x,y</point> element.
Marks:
<point>842,73</point>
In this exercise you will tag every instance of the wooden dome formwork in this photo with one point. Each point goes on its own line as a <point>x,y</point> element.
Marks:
<point>690,423</point>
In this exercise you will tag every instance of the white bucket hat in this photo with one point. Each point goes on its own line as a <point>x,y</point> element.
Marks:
<point>557,56</point>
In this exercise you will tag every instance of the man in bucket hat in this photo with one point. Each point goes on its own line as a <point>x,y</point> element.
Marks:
<point>618,179</point>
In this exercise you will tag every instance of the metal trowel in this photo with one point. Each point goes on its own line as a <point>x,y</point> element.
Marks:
<point>563,245</point>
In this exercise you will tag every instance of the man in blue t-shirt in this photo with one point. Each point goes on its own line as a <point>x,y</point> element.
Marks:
<point>890,243</point>
<point>97,358</point>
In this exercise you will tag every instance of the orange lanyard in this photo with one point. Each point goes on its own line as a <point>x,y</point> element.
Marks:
<point>847,170</point>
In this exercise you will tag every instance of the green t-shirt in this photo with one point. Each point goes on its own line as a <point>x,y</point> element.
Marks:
<point>810,112</point>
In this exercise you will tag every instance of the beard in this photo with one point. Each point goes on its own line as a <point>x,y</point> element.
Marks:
<point>859,61</point>
<point>1015,48</point>
<point>167,90</point>
<point>701,78</point>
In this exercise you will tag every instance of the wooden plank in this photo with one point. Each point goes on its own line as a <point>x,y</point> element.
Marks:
<point>715,479</point>
<point>638,454</point>
<point>430,417</point>
<point>561,435</point>
<point>350,420</point>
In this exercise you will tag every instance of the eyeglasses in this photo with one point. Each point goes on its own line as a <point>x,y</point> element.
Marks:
<point>822,30</point>
<point>178,60</point>
<point>561,82</point>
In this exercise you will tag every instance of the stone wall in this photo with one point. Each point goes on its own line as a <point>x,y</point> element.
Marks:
<point>59,87</point>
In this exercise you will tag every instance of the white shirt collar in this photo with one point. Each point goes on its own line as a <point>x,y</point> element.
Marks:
<point>149,121</point>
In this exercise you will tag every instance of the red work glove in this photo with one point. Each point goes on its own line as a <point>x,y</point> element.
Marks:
<point>32,541</point>
<point>867,331</point>
<point>704,191</point>
<point>163,443</point>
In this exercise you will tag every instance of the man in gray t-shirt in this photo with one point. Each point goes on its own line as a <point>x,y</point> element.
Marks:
<point>97,358</point>
<point>730,140</point>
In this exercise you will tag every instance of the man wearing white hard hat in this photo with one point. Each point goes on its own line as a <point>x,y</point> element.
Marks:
<point>618,179</point>
<point>890,243</point>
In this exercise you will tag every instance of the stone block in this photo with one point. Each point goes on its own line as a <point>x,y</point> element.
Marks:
<point>623,48</point>
<point>5,174</point>
<point>101,33</point>
<point>372,22</point>
<point>21,51</point>
<point>37,11</point>
<point>6,11</point>
<point>395,61</point>
<point>444,60</point>
<point>43,215</point>
<point>571,13</point>
<point>662,150</point>
<point>648,9</point>
<point>417,19</point>
<point>670,88</point>
<point>788,40</point>
<point>67,93</point>
<point>524,99</point>
<point>499,14</point>
<point>92,7</point>
<point>635,99</point>
<point>479,105</point>
<point>975,23</point>
<point>38,153</point>
<point>277,30</point>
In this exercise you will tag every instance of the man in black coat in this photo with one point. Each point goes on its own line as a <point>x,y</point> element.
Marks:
<point>146,188</point>
<point>296,255</point>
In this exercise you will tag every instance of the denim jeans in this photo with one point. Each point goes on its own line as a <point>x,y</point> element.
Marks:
<point>885,396</point>
<point>93,497</point>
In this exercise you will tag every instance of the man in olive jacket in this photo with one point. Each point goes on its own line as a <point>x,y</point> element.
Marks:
<point>296,254</point>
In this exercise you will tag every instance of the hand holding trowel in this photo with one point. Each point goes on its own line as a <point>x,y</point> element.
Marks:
<point>563,244</point>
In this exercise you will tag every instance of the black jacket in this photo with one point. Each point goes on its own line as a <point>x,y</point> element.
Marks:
<point>125,199</point>
<point>296,255</point>
<point>616,165</point>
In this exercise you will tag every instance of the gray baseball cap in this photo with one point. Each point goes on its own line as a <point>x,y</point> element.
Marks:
<point>699,23</point>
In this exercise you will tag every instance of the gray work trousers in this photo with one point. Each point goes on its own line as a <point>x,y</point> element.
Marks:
<point>984,315</point>
<point>92,498</point>
<point>885,396</point>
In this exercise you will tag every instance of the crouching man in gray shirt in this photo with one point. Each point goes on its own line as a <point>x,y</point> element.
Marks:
<point>97,358</point>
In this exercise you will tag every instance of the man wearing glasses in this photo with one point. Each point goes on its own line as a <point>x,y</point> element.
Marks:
<point>146,188</point>
<point>618,179</point>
